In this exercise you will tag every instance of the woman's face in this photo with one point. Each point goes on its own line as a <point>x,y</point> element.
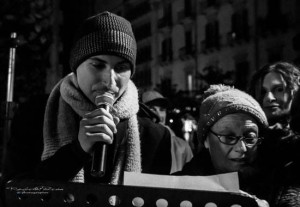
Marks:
<point>103,73</point>
<point>276,98</point>
<point>232,158</point>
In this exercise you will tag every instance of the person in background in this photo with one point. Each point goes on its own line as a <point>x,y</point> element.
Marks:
<point>189,127</point>
<point>287,171</point>
<point>230,126</point>
<point>274,86</point>
<point>180,149</point>
<point>102,61</point>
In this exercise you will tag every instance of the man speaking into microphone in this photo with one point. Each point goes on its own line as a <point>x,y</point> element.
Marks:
<point>102,61</point>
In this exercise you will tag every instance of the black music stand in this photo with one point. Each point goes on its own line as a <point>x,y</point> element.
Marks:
<point>48,193</point>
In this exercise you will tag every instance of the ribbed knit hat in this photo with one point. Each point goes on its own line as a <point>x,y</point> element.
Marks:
<point>105,33</point>
<point>220,100</point>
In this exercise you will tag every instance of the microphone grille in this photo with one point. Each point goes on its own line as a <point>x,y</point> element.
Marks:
<point>105,98</point>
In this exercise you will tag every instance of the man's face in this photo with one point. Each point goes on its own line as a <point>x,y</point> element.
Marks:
<point>231,158</point>
<point>161,112</point>
<point>276,98</point>
<point>103,73</point>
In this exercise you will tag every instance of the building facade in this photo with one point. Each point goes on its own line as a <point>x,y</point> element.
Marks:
<point>181,40</point>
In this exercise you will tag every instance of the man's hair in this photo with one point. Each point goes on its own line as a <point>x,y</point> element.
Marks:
<point>289,72</point>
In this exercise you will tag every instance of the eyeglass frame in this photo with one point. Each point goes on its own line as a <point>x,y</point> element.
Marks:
<point>237,139</point>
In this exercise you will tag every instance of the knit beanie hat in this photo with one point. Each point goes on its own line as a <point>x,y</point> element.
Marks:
<point>105,33</point>
<point>221,100</point>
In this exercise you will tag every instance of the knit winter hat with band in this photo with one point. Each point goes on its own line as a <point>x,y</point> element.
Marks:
<point>221,100</point>
<point>105,33</point>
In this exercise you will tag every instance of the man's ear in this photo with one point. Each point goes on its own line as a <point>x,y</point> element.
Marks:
<point>206,143</point>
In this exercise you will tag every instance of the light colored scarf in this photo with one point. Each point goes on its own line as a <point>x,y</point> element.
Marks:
<point>61,125</point>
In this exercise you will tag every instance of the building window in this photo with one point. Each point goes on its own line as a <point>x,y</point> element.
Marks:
<point>143,54</point>
<point>142,77</point>
<point>188,42</point>
<point>241,75</point>
<point>190,82</point>
<point>275,19</point>
<point>212,35</point>
<point>167,51</point>
<point>274,55</point>
<point>166,20</point>
<point>187,8</point>
<point>143,31</point>
<point>240,29</point>
<point>137,11</point>
<point>274,8</point>
<point>211,3</point>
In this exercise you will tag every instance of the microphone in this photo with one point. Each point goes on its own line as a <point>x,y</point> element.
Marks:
<point>98,169</point>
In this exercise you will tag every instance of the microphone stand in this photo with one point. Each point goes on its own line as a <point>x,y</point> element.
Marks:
<point>9,105</point>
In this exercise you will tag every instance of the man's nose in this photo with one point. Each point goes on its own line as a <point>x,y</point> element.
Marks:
<point>108,78</point>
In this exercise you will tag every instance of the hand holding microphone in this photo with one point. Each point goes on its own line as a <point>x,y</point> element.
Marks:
<point>104,101</point>
<point>97,129</point>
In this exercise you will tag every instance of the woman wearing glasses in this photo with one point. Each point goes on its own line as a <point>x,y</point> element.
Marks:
<point>230,127</point>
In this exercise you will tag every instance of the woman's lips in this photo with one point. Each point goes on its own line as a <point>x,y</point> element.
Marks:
<point>272,107</point>
<point>238,160</point>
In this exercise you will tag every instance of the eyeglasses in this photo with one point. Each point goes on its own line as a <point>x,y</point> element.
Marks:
<point>232,140</point>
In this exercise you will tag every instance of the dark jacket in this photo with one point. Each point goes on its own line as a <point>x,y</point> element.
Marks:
<point>280,163</point>
<point>276,178</point>
<point>26,145</point>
